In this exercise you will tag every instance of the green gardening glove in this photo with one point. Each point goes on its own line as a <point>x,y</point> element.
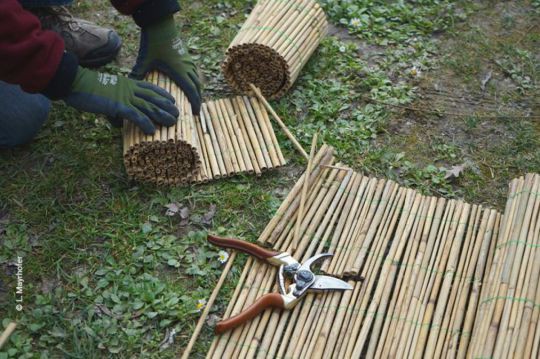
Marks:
<point>120,97</point>
<point>162,49</point>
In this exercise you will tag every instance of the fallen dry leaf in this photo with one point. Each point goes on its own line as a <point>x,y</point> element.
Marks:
<point>212,320</point>
<point>168,340</point>
<point>184,215</point>
<point>485,80</point>
<point>454,172</point>
<point>172,209</point>
<point>209,215</point>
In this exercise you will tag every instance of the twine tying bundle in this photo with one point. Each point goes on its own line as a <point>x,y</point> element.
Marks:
<point>273,45</point>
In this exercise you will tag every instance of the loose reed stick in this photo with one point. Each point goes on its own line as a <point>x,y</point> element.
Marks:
<point>7,333</point>
<point>219,345</point>
<point>341,168</point>
<point>291,137</point>
<point>209,305</point>
<point>304,191</point>
<point>325,151</point>
<point>270,235</point>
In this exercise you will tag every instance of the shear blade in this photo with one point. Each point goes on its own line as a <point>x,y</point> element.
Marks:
<point>317,258</point>
<point>324,282</point>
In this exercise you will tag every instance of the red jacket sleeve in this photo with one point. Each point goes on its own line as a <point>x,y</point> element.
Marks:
<point>29,56</point>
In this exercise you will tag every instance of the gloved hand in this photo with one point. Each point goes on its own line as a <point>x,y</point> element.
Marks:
<point>120,97</point>
<point>162,49</point>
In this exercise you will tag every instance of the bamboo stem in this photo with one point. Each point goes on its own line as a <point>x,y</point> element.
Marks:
<point>304,192</point>
<point>7,333</point>
<point>209,305</point>
<point>279,121</point>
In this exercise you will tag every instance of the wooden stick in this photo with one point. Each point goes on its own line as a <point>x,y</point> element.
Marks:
<point>341,168</point>
<point>209,305</point>
<point>7,333</point>
<point>291,137</point>
<point>219,343</point>
<point>273,230</point>
<point>304,191</point>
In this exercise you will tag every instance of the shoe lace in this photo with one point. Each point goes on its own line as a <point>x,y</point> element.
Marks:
<point>60,15</point>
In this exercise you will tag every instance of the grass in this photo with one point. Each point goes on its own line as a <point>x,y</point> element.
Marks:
<point>109,273</point>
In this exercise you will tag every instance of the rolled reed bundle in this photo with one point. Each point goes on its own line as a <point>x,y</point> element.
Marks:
<point>440,277</point>
<point>273,45</point>
<point>232,135</point>
<point>172,154</point>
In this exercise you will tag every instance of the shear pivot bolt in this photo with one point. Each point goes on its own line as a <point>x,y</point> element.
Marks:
<point>304,275</point>
<point>291,268</point>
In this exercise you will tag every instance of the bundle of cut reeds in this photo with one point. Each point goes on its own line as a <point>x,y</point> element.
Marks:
<point>172,154</point>
<point>273,45</point>
<point>508,319</point>
<point>232,136</point>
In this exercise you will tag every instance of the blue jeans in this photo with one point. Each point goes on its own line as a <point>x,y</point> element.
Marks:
<point>41,3</point>
<point>21,115</point>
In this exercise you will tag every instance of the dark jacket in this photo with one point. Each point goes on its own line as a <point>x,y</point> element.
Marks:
<point>35,59</point>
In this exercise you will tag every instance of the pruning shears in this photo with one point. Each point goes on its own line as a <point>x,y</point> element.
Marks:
<point>303,280</point>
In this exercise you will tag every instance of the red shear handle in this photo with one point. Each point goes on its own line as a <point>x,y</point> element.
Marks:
<point>271,300</point>
<point>243,246</point>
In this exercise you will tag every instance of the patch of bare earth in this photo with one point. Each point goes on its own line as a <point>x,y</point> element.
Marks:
<point>470,101</point>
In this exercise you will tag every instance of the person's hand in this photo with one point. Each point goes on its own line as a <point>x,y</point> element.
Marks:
<point>120,97</point>
<point>162,49</point>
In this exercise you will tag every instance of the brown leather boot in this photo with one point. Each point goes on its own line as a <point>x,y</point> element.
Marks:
<point>92,44</point>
